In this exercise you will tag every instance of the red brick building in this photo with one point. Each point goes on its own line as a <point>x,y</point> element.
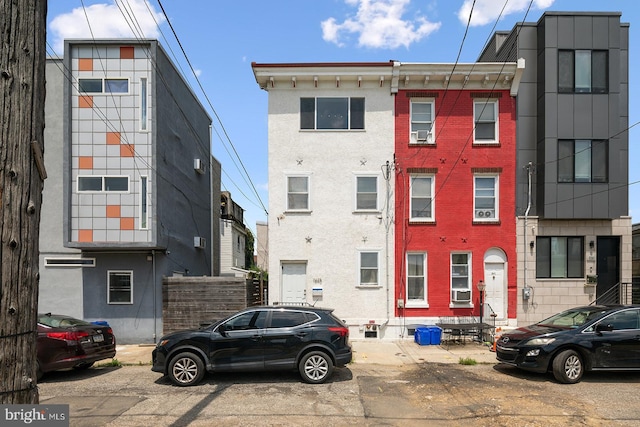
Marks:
<point>455,196</point>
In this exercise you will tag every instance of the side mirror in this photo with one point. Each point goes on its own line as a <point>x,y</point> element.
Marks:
<point>222,330</point>
<point>601,327</point>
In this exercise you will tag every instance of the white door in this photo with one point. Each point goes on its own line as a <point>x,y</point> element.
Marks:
<point>495,293</point>
<point>294,282</point>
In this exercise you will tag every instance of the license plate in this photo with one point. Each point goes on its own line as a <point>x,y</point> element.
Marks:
<point>98,338</point>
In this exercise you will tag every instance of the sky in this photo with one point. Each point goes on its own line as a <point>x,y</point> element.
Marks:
<point>222,39</point>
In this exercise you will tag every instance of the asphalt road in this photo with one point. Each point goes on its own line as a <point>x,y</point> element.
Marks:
<point>360,394</point>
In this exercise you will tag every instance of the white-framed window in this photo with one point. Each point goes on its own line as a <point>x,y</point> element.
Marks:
<point>367,193</point>
<point>421,188</point>
<point>69,262</point>
<point>485,198</point>
<point>332,113</point>
<point>485,120</point>
<point>461,278</point>
<point>98,184</point>
<point>298,193</point>
<point>144,200</point>
<point>143,104</point>
<point>368,267</point>
<point>422,122</point>
<point>110,85</point>
<point>416,279</point>
<point>119,287</point>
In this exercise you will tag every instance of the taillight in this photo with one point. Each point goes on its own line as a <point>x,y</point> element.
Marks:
<point>342,331</point>
<point>68,336</point>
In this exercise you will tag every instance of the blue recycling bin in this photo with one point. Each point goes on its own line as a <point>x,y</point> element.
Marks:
<point>435,335</point>
<point>422,336</point>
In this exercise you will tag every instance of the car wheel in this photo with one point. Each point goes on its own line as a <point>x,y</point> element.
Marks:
<point>315,367</point>
<point>568,367</point>
<point>186,369</point>
<point>83,366</point>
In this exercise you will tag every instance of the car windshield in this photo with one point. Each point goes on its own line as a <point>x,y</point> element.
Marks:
<point>573,318</point>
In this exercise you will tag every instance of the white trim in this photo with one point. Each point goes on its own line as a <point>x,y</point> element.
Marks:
<point>496,196</point>
<point>286,191</point>
<point>359,264</point>
<point>414,303</point>
<point>413,135</point>
<point>432,217</point>
<point>103,177</point>
<point>355,189</point>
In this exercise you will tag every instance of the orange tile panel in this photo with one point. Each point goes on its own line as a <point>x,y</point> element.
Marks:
<point>85,162</point>
<point>126,223</point>
<point>113,138</point>
<point>113,211</point>
<point>85,64</point>
<point>126,52</point>
<point>85,101</point>
<point>85,235</point>
<point>127,150</point>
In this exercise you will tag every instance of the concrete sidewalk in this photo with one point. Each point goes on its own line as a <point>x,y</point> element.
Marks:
<point>398,352</point>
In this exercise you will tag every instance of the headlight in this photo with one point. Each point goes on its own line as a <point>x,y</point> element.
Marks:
<point>540,341</point>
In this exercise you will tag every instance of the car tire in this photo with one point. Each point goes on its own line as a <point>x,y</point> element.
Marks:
<point>315,367</point>
<point>568,367</point>
<point>186,369</point>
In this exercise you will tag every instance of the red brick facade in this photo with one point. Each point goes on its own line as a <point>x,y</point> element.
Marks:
<point>452,158</point>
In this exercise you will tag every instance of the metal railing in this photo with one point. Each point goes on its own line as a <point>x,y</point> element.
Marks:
<point>621,293</point>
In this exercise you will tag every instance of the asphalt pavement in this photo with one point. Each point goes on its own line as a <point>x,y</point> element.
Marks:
<point>373,351</point>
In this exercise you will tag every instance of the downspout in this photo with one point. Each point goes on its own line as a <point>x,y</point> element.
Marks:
<point>155,317</point>
<point>526,216</point>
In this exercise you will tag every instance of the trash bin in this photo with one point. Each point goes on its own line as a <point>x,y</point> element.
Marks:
<point>435,335</point>
<point>422,336</point>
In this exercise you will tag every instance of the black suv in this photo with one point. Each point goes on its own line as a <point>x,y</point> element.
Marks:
<point>311,340</point>
<point>591,338</point>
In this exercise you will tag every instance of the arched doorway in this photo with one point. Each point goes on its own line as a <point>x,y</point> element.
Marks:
<point>495,279</point>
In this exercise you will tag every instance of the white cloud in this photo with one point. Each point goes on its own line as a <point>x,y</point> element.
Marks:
<point>487,11</point>
<point>106,20</point>
<point>379,24</point>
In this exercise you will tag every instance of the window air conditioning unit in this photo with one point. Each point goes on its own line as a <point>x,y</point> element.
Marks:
<point>198,165</point>
<point>483,213</point>
<point>460,296</point>
<point>199,242</point>
<point>423,136</point>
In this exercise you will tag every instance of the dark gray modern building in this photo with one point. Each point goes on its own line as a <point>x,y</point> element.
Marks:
<point>129,198</point>
<point>574,232</point>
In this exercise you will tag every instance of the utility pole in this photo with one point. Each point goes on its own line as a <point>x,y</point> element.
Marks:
<point>22,173</point>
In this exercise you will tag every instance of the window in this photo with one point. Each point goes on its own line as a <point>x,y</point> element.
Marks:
<point>485,115</point>
<point>331,113</point>
<point>623,320</point>
<point>288,319</point>
<point>298,193</point>
<point>368,268</point>
<point>103,183</point>
<point>248,320</point>
<point>90,85</point>
<point>366,193</point>
<point>460,278</point>
<point>421,203</point>
<point>583,160</point>
<point>69,262</point>
<point>485,201</point>
<point>559,257</point>
<point>421,122</point>
<point>109,85</point>
<point>583,71</point>
<point>143,203</point>
<point>120,287</point>
<point>143,103</point>
<point>416,278</point>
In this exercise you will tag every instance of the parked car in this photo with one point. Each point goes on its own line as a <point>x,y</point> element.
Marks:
<point>591,338</point>
<point>66,342</point>
<point>311,340</point>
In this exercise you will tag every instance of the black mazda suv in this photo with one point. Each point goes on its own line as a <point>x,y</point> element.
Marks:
<point>311,340</point>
